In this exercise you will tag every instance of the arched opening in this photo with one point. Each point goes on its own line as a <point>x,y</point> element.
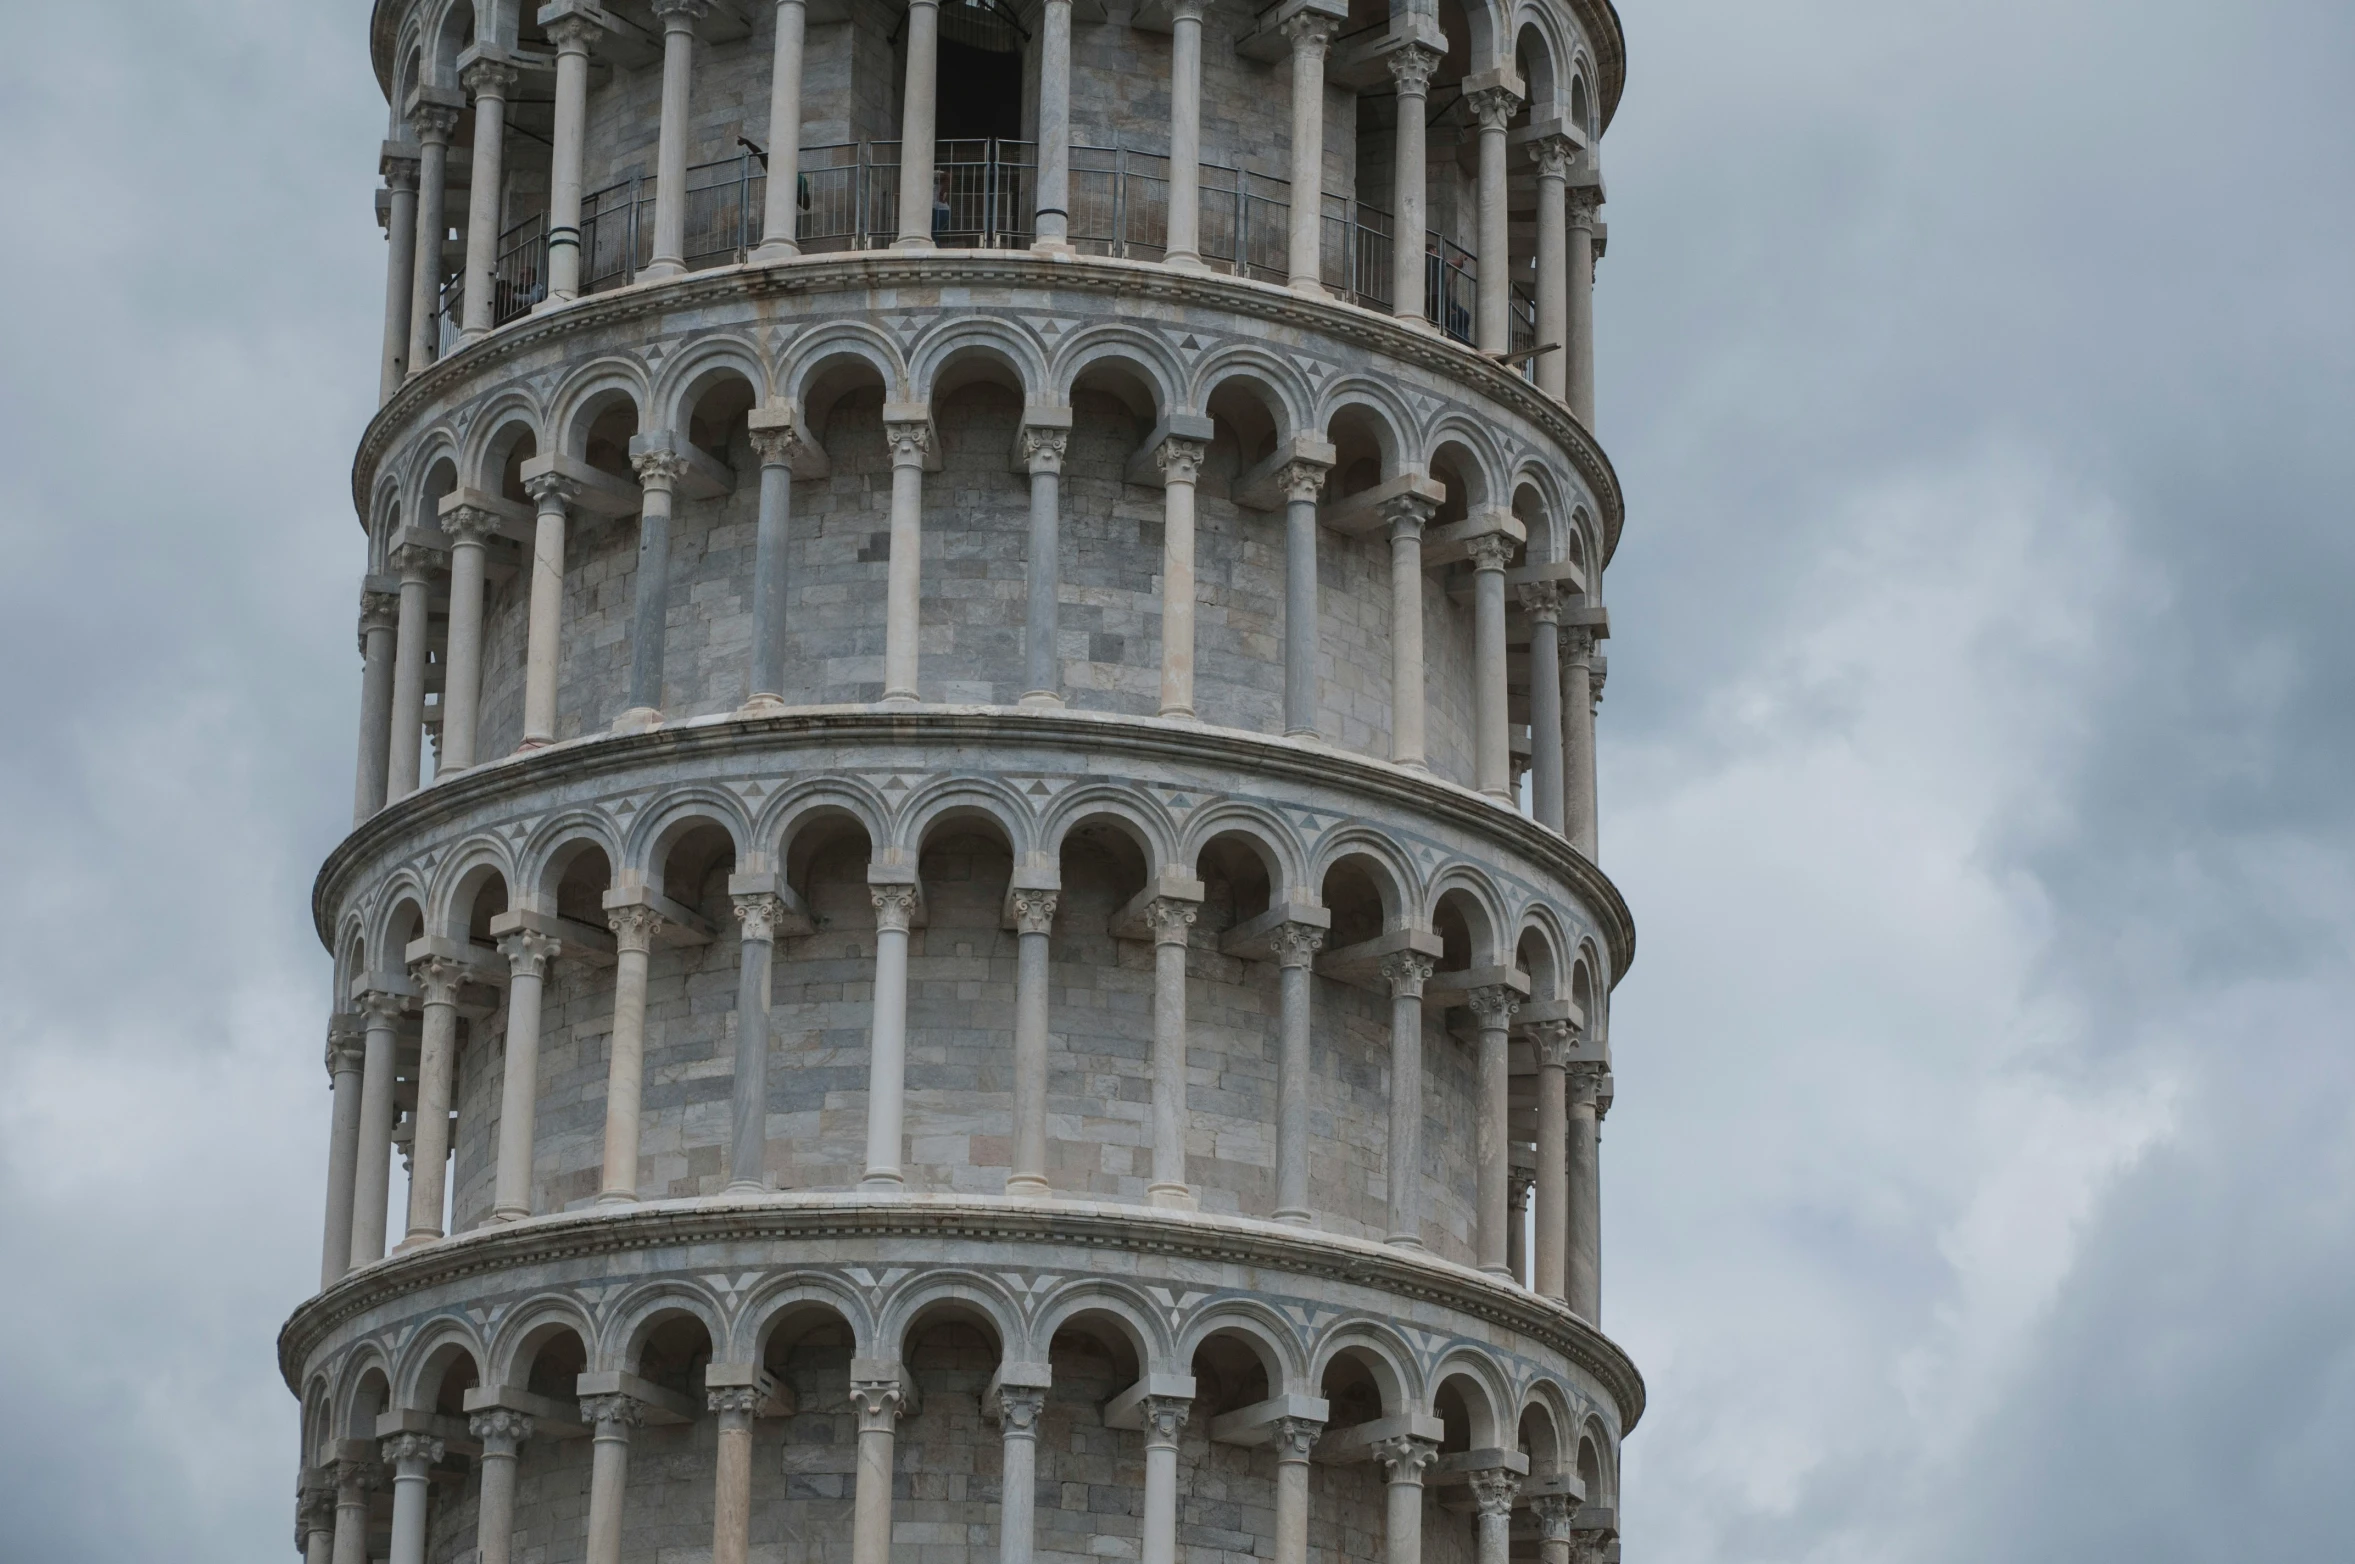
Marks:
<point>694,860</point>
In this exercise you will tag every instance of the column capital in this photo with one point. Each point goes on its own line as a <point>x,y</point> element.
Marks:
<point>356,1475</point>
<point>573,25</point>
<point>634,928</point>
<point>1591,1544</point>
<point>759,912</point>
<point>1494,1490</point>
<point>1494,1005</point>
<point>1034,911</point>
<point>469,525</point>
<point>378,611</point>
<point>1585,206</point>
<point>438,977</point>
<point>1542,601</point>
<point>500,1430</point>
<point>1555,156</point>
<point>415,562</point>
<point>680,14</point>
<point>741,1400</point>
<point>1411,66</point>
<point>1180,459</point>
<point>434,122</point>
<point>1019,1407</point>
<point>1553,1512</point>
<point>1300,479</point>
<point>895,907</point>
<point>382,1007</point>
<point>612,1411</point>
<point>1406,973</point>
<point>1169,919</point>
<point>1294,1437</point>
<point>1492,107</point>
<point>347,1044</point>
<point>401,1450</point>
<point>1407,514</point>
<point>528,953</point>
<point>1043,447</point>
<point>398,162</point>
<point>1403,1457</point>
<point>1517,1187</point>
<point>1585,1082</point>
<point>553,489</point>
<point>1164,1417</point>
<point>1187,10</point>
<point>487,77</point>
<point>910,440</point>
<point>1577,645</point>
<point>1490,551</point>
<point>878,1402</point>
<point>314,1510</point>
<point>1310,30</point>
<point>1296,944</point>
<point>1555,1042</point>
<point>658,472</point>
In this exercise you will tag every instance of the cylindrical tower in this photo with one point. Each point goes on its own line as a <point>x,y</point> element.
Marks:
<point>973,904</point>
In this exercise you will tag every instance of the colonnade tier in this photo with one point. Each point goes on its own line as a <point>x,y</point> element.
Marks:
<point>967,1377</point>
<point>960,480</point>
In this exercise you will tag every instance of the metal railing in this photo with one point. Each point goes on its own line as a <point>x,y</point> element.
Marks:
<point>984,197</point>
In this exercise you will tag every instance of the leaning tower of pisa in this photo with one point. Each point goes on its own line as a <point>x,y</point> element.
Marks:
<point>972,920</point>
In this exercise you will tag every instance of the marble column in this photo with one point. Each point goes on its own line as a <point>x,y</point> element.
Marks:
<point>910,441</point>
<point>748,1098</point>
<point>1406,974</point>
<point>372,1174</point>
<point>1578,738</point>
<point>315,1521</point>
<point>731,1486</point>
<point>434,123</point>
<point>571,33</point>
<point>1552,1512</point>
<point>1554,1041</point>
<point>1164,1419</point>
<point>399,166</point>
<point>490,81</point>
<point>1181,463</point>
<point>1584,212</point>
<point>1410,68</point>
<point>469,530</point>
<point>1042,451</point>
<point>412,1458</point>
<point>1185,134</point>
<point>1491,108</point>
<point>1517,1186</point>
<point>1555,155</point>
<point>1296,946</point>
<point>1310,34</point>
<point>528,958</point>
<point>1034,919</point>
<point>1493,1009</point>
<point>1301,482</point>
<point>678,18</point>
<point>611,1418</point>
<point>1403,1460</point>
<point>887,1038</point>
<point>1493,1492</point>
<point>437,1068</point>
<point>353,1479</point>
<point>919,104</point>
<point>781,208</point>
<point>1492,746</point>
<point>659,471</point>
<point>1407,516</point>
<point>634,929</point>
<point>1019,1407</point>
<point>347,1053</point>
<point>1585,1202</point>
<point>500,1433</point>
<point>543,635</point>
<point>777,443</point>
<point>406,745</point>
<point>1051,228</point>
<point>1169,920</point>
<point>1293,1438</point>
<point>1542,601</point>
<point>379,614</point>
<point>878,1403</point>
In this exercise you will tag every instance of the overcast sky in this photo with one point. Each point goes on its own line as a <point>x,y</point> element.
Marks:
<point>1976,758</point>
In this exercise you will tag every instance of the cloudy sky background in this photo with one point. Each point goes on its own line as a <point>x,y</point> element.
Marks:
<point>1977,746</point>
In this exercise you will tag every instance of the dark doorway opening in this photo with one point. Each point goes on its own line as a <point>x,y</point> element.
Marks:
<point>980,92</point>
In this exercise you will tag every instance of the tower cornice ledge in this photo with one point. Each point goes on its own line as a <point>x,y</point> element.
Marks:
<point>1095,734</point>
<point>880,270</point>
<point>1185,1236</point>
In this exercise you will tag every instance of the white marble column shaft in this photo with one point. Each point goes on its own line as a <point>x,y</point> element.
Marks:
<point>634,929</point>
<point>1051,228</point>
<point>433,123</point>
<point>1543,603</point>
<point>1185,134</point>
<point>1293,1438</point>
<point>878,1406</point>
<point>569,136</point>
<point>771,546</point>
<point>412,1458</point>
<point>1170,920</point>
<point>1019,1407</point>
<point>1296,947</point>
<point>347,1052</point>
<point>544,626</point>
<point>611,1418</point>
<point>1403,1461</point>
<point>469,530</point>
<point>919,109</point>
<point>1407,516</point>
<point>528,958</point>
<point>757,916</point>
<point>1310,34</point>
<point>379,615</point>
<point>500,1433</point>
<point>1034,921</point>
<point>1165,1419</point>
<point>1578,738</point>
<point>731,1486</point>
<point>781,206</point>
<point>1492,739</point>
<point>400,168</point>
<point>1554,156</point>
<point>372,1173</point>
<point>1584,208</point>
<point>1181,463</point>
<point>1301,482</point>
<point>352,1482</point>
<point>911,442</point>
<point>1410,69</point>
<point>887,1041</point>
<point>413,639</point>
<point>1493,1492</point>
<point>1042,450</point>
<point>1491,109</point>
<point>1585,1201</point>
<point>1554,1041</point>
<point>1406,975</point>
<point>678,18</point>
<point>1492,1009</point>
<point>658,472</point>
<point>490,81</point>
<point>437,1068</point>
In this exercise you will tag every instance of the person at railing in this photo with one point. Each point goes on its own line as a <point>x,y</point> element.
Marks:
<point>941,214</point>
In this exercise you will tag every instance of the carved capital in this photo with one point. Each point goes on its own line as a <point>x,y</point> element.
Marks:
<point>1542,601</point>
<point>1584,1081</point>
<point>347,1045</point>
<point>500,1430</point>
<point>1294,1437</point>
<point>1555,155</point>
<point>1403,1457</point>
<point>528,954</point>
<point>400,173</point>
<point>1180,461</point>
<point>438,977</point>
<point>659,471</point>
<point>759,913</point>
<point>574,33</point>
<point>378,611</point>
<point>1297,944</point>
<point>1302,481</point>
<point>740,1400</point>
<point>1406,514</point>
<point>1494,1490</point>
<point>1169,919</point>
<point>1585,207</point>
<point>1555,1041</point>
<point>488,78</point>
<point>1309,31</point>
<point>878,1402</point>
<point>612,1415</point>
<point>778,447</point>
<point>414,562</point>
<point>634,928</point>
<point>469,526</point>
<point>1019,1407</point>
<point>895,907</point>
<point>1165,1418</point>
<point>380,1007</point>
<point>434,122</point>
<point>910,442</point>
<point>1553,1512</point>
<point>1591,1544</point>
<point>1043,448</point>
<point>552,491</point>
<point>1406,973</point>
<point>1517,1187</point>
<point>314,1509</point>
<point>1492,108</point>
<point>1411,69</point>
<point>1034,911</point>
<point>407,1449</point>
<point>356,1478</point>
<point>1491,551</point>
<point>689,12</point>
<point>1494,1006</point>
<point>1578,644</point>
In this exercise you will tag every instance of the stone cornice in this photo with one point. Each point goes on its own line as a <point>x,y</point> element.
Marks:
<point>888,269</point>
<point>1095,734</point>
<point>1130,1229</point>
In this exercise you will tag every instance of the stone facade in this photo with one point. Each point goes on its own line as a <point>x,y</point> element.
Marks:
<point>973,904</point>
